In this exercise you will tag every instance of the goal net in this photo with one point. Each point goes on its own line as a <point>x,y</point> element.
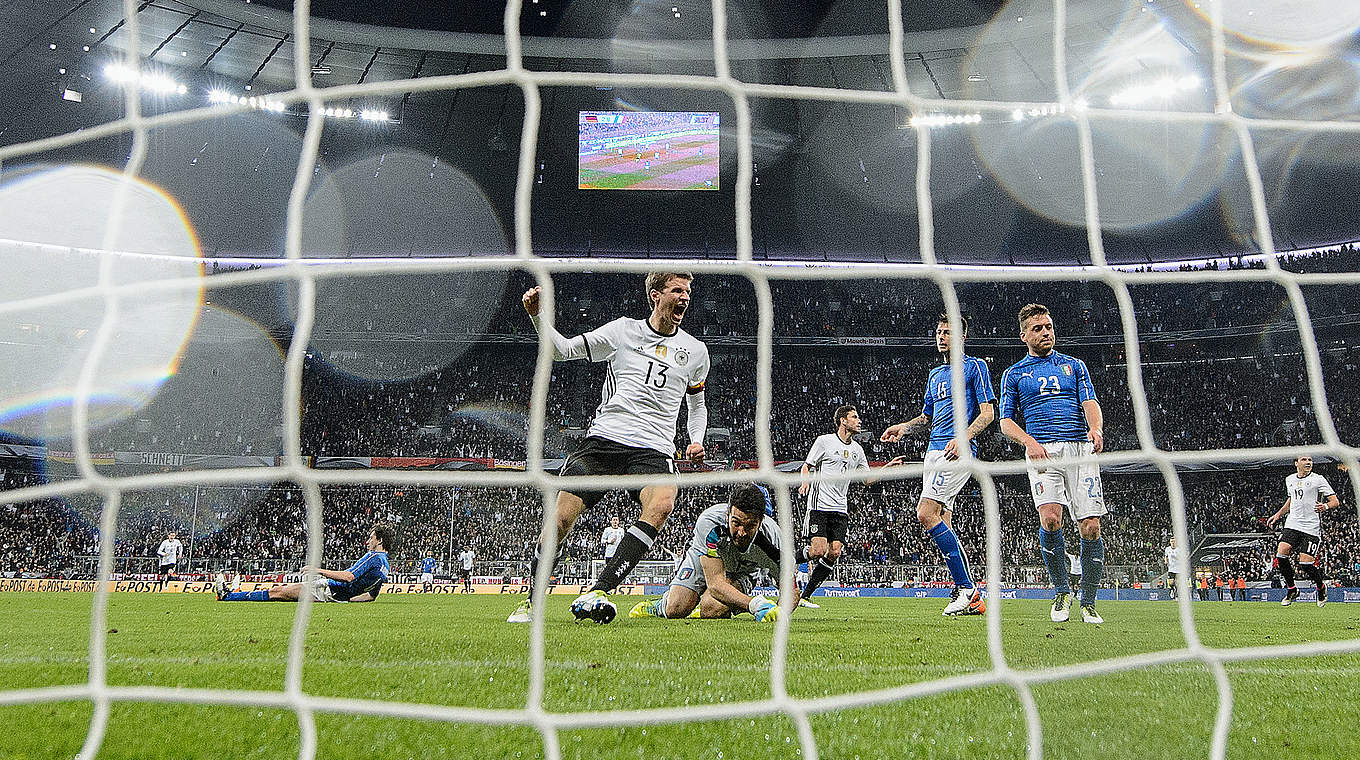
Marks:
<point>153,286</point>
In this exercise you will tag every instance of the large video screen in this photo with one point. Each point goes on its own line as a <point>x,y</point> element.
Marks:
<point>629,150</point>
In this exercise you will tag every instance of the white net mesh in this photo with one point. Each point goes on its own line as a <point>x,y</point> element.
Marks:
<point>115,294</point>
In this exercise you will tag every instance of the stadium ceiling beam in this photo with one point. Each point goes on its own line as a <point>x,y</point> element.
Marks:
<point>940,40</point>
<point>173,35</point>
<point>221,45</point>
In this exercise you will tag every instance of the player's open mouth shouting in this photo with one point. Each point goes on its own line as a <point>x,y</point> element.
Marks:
<point>678,310</point>
<point>672,303</point>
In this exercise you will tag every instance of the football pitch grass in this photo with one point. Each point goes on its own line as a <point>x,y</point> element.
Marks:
<point>457,650</point>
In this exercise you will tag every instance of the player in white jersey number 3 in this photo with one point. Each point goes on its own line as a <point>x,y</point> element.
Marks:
<point>653,366</point>
<point>828,506</point>
<point>1303,528</point>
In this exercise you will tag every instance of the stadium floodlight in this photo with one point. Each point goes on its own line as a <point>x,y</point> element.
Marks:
<point>260,103</point>
<point>1164,88</point>
<point>144,81</point>
<point>943,120</point>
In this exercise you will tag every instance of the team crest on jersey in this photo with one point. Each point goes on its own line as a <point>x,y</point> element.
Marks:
<point>1067,369</point>
<point>681,357</point>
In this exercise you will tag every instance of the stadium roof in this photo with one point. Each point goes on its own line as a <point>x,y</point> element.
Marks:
<point>834,181</point>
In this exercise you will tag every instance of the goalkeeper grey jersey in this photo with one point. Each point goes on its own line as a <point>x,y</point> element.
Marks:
<point>1304,494</point>
<point>830,454</point>
<point>649,375</point>
<point>713,539</point>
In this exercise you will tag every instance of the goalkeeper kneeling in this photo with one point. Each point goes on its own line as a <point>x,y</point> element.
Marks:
<point>732,542</point>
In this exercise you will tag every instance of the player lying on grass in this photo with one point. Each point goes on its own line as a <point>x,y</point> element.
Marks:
<point>732,542</point>
<point>359,582</point>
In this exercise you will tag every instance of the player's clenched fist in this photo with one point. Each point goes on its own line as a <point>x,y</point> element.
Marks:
<point>695,453</point>
<point>530,300</point>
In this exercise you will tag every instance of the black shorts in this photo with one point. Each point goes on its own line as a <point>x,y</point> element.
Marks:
<point>166,569</point>
<point>600,456</point>
<point>464,573</point>
<point>828,525</point>
<point>1303,543</point>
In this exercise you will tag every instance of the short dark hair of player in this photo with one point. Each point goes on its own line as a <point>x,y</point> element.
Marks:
<point>842,412</point>
<point>963,321</point>
<point>1031,310</point>
<point>659,280</point>
<point>747,498</point>
<point>387,536</point>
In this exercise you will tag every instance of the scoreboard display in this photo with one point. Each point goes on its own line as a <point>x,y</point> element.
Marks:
<point>655,150</point>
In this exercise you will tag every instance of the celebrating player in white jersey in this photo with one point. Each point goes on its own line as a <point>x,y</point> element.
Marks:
<point>941,482</point>
<point>653,366</point>
<point>1303,528</point>
<point>611,537</point>
<point>1053,395</point>
<point>731,545</point>
<point>168,554</point>
<point>828,508</point>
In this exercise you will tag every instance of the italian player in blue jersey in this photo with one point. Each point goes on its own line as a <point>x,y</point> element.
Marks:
<point>359,582</point>
<point>427,567</point>
<point>941,482</point>
<point>1053,396</point>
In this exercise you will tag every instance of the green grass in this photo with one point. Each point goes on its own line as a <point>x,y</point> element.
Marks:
<point>458,651</point>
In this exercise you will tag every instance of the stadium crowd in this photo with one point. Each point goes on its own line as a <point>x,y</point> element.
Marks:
<point>259,527</point>
<point>1238,391</point>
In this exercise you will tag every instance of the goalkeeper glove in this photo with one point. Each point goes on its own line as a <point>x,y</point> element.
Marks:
<point>764,610</point>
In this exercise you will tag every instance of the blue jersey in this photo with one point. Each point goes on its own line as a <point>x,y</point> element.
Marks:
<point>1047,391</point>
<point>939,402</point>
<point>427,565</point>
<point>369,574</point>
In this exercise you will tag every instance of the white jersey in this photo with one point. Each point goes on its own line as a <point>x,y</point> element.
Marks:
<point>610,540</point>
<point>1304,495</point>
<point>169,551</point>
<point>1074,564</point>
<point>1172,561</point>
<point>829,454</point>
<point>649,374</point>
<point>466,558</point>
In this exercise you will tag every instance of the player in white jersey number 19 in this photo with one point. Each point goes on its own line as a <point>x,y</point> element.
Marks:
<point>1303,528</point>
<point>653,367</point>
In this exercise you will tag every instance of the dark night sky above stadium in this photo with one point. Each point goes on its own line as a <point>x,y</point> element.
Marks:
<point>793,18</point>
